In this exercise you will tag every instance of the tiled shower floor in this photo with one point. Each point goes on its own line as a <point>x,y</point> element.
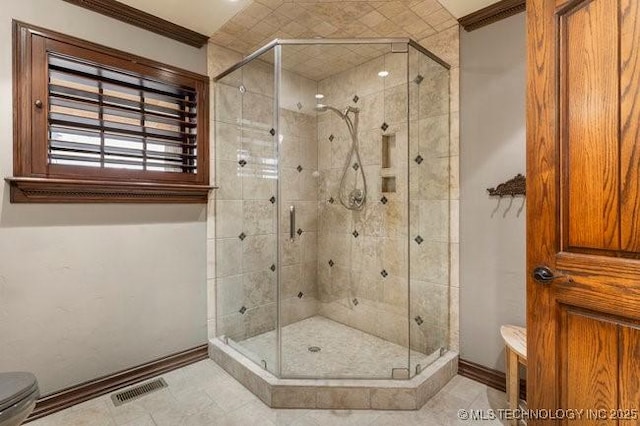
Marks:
<point>344,351</point>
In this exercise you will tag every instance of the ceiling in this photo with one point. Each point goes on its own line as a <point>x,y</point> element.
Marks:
<point>208,16</point>
<point>265,20</point>
<point>203,16</point>
<point>460,8</point>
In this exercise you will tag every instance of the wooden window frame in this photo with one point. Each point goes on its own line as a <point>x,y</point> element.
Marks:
<point>36,180</point>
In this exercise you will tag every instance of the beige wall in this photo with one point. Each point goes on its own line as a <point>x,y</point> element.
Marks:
<point>492,150</point>
<point>86,290</point>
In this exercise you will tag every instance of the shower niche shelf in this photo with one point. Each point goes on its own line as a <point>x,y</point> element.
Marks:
<point>387,170</point>
<point>388,146</point>
<point>388,184</point>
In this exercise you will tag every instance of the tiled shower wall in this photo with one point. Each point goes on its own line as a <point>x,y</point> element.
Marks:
<point>299,164</point>
<point>219,59</point>
<point>245,217</point>
<point>245,212</point>
<point>363,255</point>
<point>429,203</point>
<point>446,44</point>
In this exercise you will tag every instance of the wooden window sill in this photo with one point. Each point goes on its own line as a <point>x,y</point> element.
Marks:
<point>45,190</point>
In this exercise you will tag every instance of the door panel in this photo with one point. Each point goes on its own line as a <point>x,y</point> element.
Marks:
<point>589,123</point>
<point>630,125</point>
<point>583,221</point>
<point>542,241</point>
<point>589,361</point>
<point>630,371</point>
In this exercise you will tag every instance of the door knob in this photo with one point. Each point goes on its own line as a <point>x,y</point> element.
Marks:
<point>544,275</point>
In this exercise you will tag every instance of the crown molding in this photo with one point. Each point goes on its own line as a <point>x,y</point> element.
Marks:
<point>131,15</point>
<point>493,13</point>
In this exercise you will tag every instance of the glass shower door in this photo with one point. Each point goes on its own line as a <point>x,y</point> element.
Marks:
<point>246,243</point>
<point>298,219</point>
<point>429,201</point>
<point>343,220</point>
<point>332,214</point>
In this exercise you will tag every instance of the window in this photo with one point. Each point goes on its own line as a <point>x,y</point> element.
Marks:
<point>97,125</point>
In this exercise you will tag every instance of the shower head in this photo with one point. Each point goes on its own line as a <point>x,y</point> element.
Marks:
<point>323,108</point>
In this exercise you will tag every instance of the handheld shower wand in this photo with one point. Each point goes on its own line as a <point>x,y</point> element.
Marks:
<point>356,198</point>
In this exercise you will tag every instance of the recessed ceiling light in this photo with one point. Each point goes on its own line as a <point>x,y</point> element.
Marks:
<point>383,74</point>
<point>319,96</point>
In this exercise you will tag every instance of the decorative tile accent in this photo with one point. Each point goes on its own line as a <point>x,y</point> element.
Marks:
<point>418,320</point>
<point>356,99</point>
<point>384,273</point>
<point>355,302</point>
<point>242,163</point>
<point>331,263</point>
<point>300,295</point>
<point>299,105</point>
<point>331,200</point>
<point>355,234</point>
<point>242,236</point>
<point>273,132</point>
<point>299,232</point>
<point>299,169</point>
<point>273,200</point>
<point>273,268</point>
<point>419,239</point>
<point>243,310</point>
<point>419,159</point>
<point>331,138</point>
<point>384,127</point>
<point>355,166</point>
<point>384,200</point>
<point>242,89</point>
<point>418,79</point>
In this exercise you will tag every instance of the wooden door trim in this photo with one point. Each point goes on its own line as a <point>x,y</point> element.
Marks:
<point>542,197</point>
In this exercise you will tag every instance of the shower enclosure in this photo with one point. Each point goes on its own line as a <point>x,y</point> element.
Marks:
<point>332,213</point>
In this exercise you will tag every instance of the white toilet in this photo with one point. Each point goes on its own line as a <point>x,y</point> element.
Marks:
<point>18,395</point>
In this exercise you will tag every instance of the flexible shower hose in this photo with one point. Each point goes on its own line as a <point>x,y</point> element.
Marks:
<point>351,202</point>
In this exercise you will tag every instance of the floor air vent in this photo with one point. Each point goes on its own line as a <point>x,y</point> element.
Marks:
<point>136,392</point>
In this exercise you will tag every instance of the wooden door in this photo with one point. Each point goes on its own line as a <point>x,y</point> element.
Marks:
<point>583,208</point>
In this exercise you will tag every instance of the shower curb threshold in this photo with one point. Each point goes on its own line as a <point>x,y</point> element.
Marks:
<point>367,394</point>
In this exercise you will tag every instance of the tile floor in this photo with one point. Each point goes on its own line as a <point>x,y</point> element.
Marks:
<point>203,394</point>
<point>345,352</point>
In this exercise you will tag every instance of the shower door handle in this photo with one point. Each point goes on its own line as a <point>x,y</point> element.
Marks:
<point>292,222</point>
